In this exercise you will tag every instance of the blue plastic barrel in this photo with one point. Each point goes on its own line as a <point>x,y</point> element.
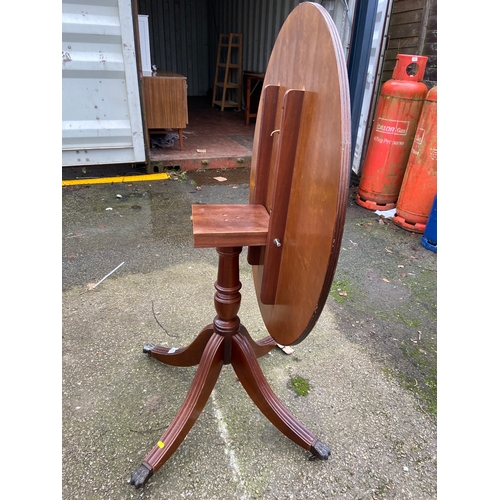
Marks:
<point>429,239</point>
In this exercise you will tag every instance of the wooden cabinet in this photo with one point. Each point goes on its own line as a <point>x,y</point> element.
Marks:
<point>165,96</point>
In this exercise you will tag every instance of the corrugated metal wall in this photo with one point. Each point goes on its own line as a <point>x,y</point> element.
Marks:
<point>260,22</point>
<point>184,34</point>
<point>178,37</point>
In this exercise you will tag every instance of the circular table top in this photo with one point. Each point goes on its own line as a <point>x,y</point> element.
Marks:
<point>308,56</point>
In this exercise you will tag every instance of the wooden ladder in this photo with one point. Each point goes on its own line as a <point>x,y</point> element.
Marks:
<point>227,81</point>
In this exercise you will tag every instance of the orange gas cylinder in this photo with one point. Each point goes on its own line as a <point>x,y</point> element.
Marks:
<point>396,118</point>
<point>419,185</point>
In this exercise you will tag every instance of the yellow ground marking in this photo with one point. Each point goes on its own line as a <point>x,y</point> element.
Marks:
<point>110,180</point>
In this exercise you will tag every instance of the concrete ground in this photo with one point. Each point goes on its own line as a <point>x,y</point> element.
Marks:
<point>369,363</point>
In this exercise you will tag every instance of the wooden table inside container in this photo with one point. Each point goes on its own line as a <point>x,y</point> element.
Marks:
<point>251,78</point>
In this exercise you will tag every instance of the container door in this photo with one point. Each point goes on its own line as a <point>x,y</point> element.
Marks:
<point>101,110</point>
<point>367,85</point>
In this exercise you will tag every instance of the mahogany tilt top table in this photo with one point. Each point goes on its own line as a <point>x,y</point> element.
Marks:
<point>292,226</point>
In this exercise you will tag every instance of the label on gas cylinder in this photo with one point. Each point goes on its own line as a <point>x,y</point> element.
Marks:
<point>392,127</point>
<point>417,141</point>
<point>391,132</point>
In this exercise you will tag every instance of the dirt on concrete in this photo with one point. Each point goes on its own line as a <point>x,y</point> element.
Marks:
<point>369,365</point>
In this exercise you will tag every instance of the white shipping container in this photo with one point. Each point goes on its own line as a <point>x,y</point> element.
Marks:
<point>101,110</point>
